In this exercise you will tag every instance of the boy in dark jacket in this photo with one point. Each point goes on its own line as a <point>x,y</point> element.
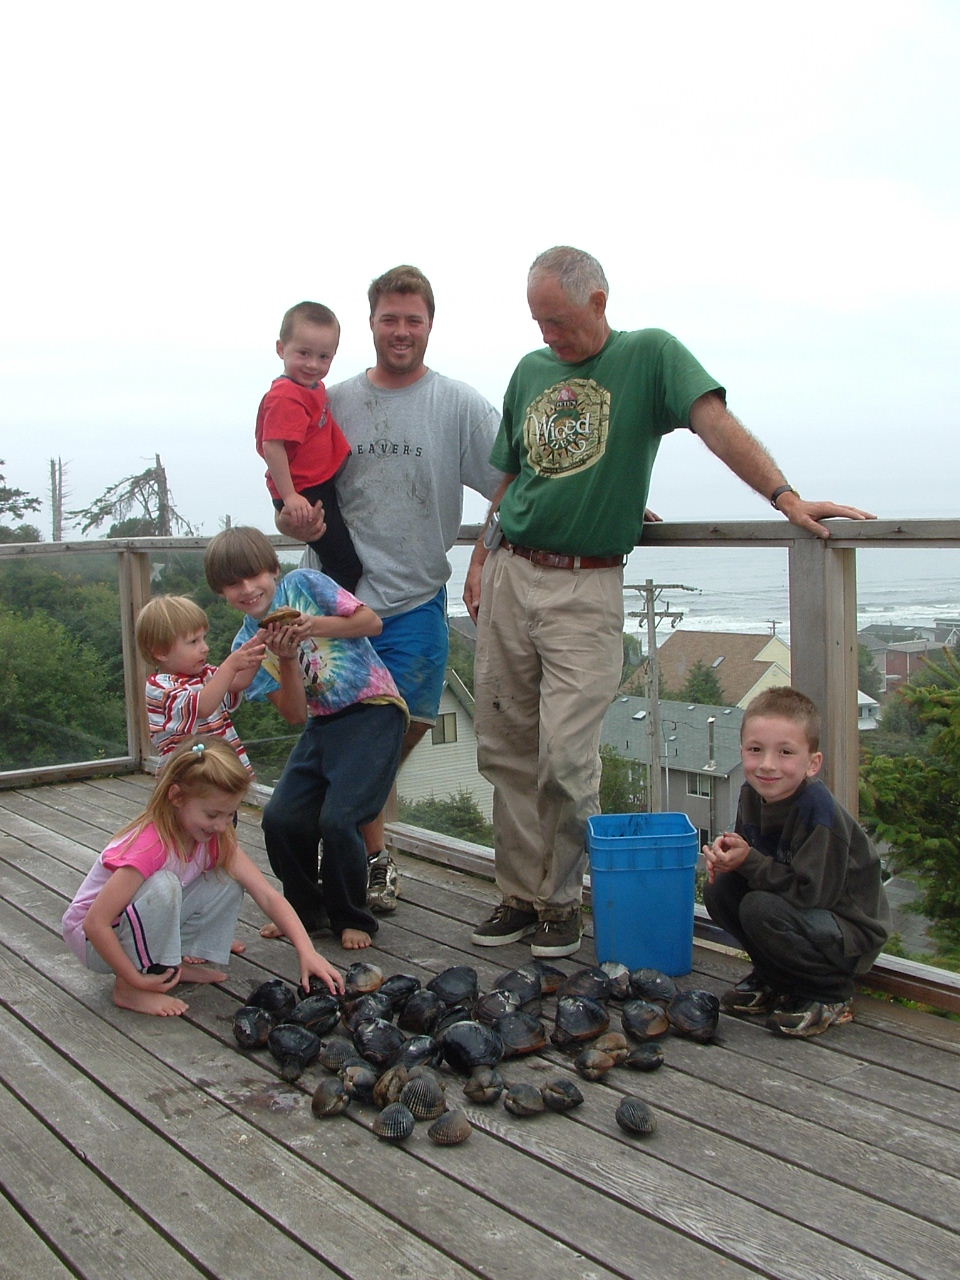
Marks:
<point>798,883</point>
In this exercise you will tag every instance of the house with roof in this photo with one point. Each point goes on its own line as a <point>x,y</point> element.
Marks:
<point>698,755</point>
<point>445,761</point>
<point>899,653</point>
<point>743,664</point>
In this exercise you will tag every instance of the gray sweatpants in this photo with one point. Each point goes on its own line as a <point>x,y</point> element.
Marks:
<point>165,921</point>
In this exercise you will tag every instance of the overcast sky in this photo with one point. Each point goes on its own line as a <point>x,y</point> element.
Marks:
<point>777,185</point>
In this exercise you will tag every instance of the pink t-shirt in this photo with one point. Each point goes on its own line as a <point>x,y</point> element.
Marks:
<point>143,850</point>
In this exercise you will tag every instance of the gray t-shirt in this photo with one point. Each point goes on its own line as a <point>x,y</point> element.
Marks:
<point>400,491</point>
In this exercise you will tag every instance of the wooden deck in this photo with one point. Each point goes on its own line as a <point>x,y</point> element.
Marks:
<point>144,1147</point>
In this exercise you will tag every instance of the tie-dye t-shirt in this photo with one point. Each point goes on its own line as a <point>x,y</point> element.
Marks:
<point>337,673</point>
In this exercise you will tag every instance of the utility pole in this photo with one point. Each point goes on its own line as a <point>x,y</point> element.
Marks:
<point>56,499</point>
<point>651,596</point>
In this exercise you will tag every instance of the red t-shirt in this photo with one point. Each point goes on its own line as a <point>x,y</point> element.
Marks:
<point>301,418</point>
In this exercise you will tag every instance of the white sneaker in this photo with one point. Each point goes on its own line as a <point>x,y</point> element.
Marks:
<point>383,881</point>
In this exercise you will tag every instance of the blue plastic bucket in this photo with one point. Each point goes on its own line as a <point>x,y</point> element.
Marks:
<point>642,877</point>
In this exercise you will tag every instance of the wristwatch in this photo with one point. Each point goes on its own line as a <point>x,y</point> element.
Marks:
<point>779,492</point>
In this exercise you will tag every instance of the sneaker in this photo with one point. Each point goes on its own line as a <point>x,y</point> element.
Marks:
<point>802,1017</point>
<point>557,937</point>
<point>383,880</point>
<point>750,995</point>
<point>506,924</point>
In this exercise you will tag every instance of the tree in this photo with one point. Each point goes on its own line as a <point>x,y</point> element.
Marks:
<point>16,503</point>
<point>141,503</point>
<point>913,803</point>
<point>869,679</point>
<point>620,792</point>
<point>701,686</point>
<point>458,815</point>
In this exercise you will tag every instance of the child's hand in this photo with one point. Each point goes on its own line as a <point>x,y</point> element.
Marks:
<point>283,641</point>
<point>161,982</point>
<point>315,966</point>
<point>298,510</point>
<point>248,656</point>
<point>726,853</point>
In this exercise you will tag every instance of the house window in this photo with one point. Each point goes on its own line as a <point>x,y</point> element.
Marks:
<point>699,785</point>
<point>445,730</point>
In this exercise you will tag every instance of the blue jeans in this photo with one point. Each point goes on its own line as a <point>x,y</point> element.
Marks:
<point>338,777</point>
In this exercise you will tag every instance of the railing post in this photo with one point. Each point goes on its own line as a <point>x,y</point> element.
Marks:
<point>823,653</point>
<point>134,574</point>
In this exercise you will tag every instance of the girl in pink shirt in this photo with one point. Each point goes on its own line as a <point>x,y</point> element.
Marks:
<point>160,904</point>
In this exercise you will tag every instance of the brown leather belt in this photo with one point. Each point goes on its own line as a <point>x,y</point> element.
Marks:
<point>554,560</point>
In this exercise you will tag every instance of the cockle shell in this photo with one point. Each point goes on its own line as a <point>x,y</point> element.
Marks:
<point>335,1052</point>
<point>450,1129</point>
<point>390,1085</point>
<point>394,1123</point>
<point>424,1097</point>
<point>635,1117</point>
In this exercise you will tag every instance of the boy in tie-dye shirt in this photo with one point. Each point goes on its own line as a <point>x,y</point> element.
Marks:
<point>322,669</point>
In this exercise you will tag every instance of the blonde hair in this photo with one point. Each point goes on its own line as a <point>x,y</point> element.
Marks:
<point>788,704</point>
<point>164,620</point>
<point>199,765</point>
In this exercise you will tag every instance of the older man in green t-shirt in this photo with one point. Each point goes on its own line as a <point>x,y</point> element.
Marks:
<point>582,422</point>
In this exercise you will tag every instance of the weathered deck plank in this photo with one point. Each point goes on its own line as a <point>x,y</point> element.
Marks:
<point>756,1135</point>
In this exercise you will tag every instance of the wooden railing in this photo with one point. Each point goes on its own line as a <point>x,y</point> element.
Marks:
<point>823,643</point>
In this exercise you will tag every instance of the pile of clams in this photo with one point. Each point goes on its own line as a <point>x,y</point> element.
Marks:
<point>394,1044</point>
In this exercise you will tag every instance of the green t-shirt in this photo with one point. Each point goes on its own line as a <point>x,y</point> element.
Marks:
<point>581,440</point>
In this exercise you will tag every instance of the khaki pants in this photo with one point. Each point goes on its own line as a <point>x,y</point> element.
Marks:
<point>549,658</point>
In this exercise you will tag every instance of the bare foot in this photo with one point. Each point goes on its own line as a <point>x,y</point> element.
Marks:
<point>127,997</point>
<point>199,973</point>
<point>271,930</point>
<point>237,948</point>
<point>354,939</point>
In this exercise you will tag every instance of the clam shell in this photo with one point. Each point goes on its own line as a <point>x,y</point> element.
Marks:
<point>619,977</point>
<point>644,1057</point>
<point>424,1097</point>
<point>390,1085</point>
<point>294,1048</point>
<point>635,1117</point>
<point>561,1094</point>
<point>399,988</point>
<point>394,1123</point>
<point>643,1020</point>
<point>615,1044</point>
<point>550,976</point>
<point>494,1005</point>
<point>364,1008</point>
<point>361,979</point>
<point>651,984</point>
<point>587,981</point>
<point>329,1097</point>
<point>467,1045</point>
<point>378,1041</point>
<point>593,1064</point>
<point>524,1100</point>
<point>320,1013</point>
<point>520,1033</point>
<point>359,1080</point>
<point>251,1026</point>
<point>484,1086</point>
<point>335,1052</point>
<point>456,985</point>
<point>578,1018</point>
<point>525,983</point>
<point>420,1050</point>
<point>450,1129</point>
<point>451,1014</point>
<point>694,1014</point>
<point>276,996</point>
<point>420,1012</point>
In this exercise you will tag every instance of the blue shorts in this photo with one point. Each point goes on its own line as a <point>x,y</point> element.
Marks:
<point>413,647</point>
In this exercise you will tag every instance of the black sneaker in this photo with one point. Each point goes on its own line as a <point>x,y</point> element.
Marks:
<point>506,924</point>
<point>556,938</point>
<point>383,881</point>
<point>750,995</point>
<point>802,1017</point>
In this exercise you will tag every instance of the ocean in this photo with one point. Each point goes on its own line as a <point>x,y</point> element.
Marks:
<point>746,590</point>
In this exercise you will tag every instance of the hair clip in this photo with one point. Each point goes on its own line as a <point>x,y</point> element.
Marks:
<point>198,748</point>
